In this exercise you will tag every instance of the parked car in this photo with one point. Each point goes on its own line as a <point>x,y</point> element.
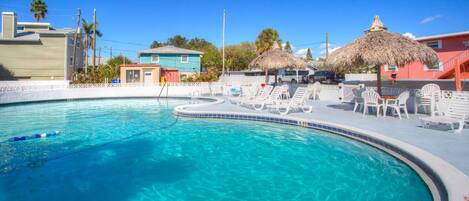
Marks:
<point>291,76</point>
<point>327,77</point>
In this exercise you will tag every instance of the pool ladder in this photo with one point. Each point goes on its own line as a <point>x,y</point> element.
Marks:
<point>161,91</point>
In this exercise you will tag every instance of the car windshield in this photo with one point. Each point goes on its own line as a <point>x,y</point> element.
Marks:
<point>321,73</point>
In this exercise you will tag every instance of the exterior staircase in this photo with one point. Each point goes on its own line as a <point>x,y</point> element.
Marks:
<point>463,60</point>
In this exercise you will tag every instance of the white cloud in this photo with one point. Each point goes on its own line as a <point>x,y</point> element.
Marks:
<point>292,47</point>
<point>430,19</point>
<point>301,52</point>
<point>331,49</point>
<point>323,45</point>
<point>334,49</point>
<point>410,35</point>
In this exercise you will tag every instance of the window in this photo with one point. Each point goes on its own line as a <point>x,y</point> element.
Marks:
<point>20,28</point>
<point>132,76</point>
<point>155,59</point>
<point>434,44</point>
<point>184,59</point>
<point>466,43</point>
<point>437,67</point>
<point>390,68</point>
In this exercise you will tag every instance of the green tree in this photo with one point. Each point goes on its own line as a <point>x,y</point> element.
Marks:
<point>103,73</point>
<point>198,44</point>
<point>287,48</point>
<point>238,57</point>
<point>89,39</point>
<point>266,39</point>
<point>177,41</point>
<point>156,44</point>
<point>116,61</point>
<point>39,9</point>
<point>309,55</point>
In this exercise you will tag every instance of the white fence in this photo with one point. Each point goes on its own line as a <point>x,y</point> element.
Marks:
<point>360,77</point>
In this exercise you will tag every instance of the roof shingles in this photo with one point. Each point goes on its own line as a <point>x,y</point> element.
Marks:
<point>169,50</point>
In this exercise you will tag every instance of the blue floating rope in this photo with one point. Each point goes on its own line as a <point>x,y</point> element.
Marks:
<point>34,136</point>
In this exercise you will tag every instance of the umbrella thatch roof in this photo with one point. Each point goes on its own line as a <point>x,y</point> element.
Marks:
<point>277,59</point>
<point>380,47</point>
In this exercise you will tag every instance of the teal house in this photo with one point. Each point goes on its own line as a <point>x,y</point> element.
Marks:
<point>170,57</point>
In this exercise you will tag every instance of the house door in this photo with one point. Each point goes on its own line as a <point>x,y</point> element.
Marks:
<point>148,78</point>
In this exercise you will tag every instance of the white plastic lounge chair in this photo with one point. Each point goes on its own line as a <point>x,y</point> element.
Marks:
<point>456,113</point>
<point>262,95</point>
<point>261,103</point>
<point>314,90</point>
<point>216,89</point>
<point>399,103</point>
<point>429,95</point>
<point>373,100</point>
<point>357,99</point>
<point>297,102</point>
<point>247,92</point>
<point>255,93</point>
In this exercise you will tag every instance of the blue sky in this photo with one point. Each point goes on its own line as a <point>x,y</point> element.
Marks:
<point>129,26</point>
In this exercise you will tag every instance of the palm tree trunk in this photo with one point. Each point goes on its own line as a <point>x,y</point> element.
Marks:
<point>266,76</point>
<point>86,54</point>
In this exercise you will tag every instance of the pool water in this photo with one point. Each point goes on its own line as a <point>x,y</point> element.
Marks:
<point>136,149</point>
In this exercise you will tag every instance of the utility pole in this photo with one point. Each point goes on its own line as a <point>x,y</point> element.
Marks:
<point>110,53</point>
<point>99,56</point>
<point>94,37</point>
<point>223,44</point>
<point>327,45</point>
<point>74,63</point>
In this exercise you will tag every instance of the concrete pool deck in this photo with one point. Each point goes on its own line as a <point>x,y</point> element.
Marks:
<point>447,146</point>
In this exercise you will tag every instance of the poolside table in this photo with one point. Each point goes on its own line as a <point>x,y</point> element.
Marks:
<point>386,99</point>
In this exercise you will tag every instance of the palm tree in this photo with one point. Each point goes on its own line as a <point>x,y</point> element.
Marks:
<point>89,40</point>
<point>39,9</point>
<point>266,40</point>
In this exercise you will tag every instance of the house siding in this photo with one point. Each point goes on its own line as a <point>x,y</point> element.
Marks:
<point>451,47</point>
<point>49,59</point>
<point>174,61</point>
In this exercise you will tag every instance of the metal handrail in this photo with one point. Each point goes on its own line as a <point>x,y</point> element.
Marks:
<point>159,95</point>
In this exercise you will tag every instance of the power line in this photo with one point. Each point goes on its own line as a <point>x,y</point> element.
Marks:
<point>27,7</point>
<point>123,42</point>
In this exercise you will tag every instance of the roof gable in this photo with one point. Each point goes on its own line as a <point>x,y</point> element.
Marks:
<point>169,50</point>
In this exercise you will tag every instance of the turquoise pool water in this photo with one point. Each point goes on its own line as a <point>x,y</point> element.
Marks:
<point>135,149</point>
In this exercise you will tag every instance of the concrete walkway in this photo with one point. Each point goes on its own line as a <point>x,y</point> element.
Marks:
<point>451,147</point>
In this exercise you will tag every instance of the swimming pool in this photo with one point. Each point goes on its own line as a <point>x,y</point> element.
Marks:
<point>135,149</point>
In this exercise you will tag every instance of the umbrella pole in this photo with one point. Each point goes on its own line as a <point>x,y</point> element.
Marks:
<point>275,83</point>
<point>378,79</point>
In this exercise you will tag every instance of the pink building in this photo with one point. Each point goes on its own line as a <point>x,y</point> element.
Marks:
<point>452,49</point>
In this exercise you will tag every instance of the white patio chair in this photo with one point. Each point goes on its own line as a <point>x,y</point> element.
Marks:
<point>261,103</point>
<point>373,100</point>
<point>429,95</point>
<point>297,102</point>
<point>357,99</point>
<point>261,95</point>
<point>314,90</point>
<point>399,103</point>
<point>456,113</point>
<point>246,93</point>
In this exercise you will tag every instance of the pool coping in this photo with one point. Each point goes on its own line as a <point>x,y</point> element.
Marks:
<point>445,181</point>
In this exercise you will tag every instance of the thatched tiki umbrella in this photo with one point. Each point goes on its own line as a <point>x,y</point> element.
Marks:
<point>275,59</point>
<point>379,47</point>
